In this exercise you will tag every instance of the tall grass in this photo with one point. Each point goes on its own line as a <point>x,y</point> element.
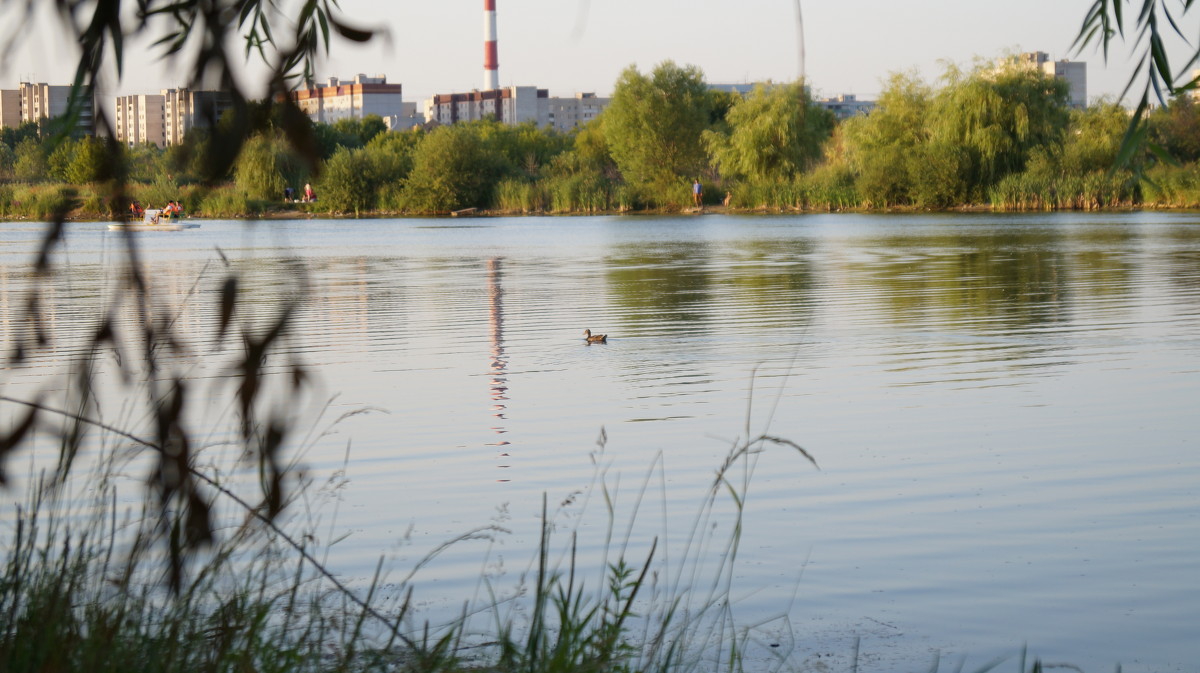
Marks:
<point>80,591</point>
<point>517,195</point>
<point>1091,191</point>
<point>1173,186</point>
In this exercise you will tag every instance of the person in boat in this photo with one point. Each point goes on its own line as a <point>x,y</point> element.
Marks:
<point>136,209</point>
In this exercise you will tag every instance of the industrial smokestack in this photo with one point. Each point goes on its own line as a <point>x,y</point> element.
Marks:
<point>491,65</point>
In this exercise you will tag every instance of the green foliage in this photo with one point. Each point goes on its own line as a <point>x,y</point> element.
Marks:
<point>12,137</point>
<point>30,164</point>
<point>1176,128</point>
<point>518,195</point>
<point>35,201</point>
<point>998,116</point>
<point>8,161</point>
<point>524,147</point>
<point>266,165</point>
<point>876,146</point>
<point>1094,141</point>
<point>1173,186</point>
<point>59,159</point>
<point>452,169</point>
<point>367,178</point>
<point>227,201</point>
<point>147,162</point>
<point>348,182</point>
<point>774,134</point>
<point>189,159</point>
<point>94,160</point>
<point>653,127</point>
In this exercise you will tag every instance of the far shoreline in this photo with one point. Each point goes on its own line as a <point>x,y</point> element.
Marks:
<point>718,209</point>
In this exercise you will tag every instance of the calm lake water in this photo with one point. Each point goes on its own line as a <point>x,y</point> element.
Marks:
<point>1003,408</point>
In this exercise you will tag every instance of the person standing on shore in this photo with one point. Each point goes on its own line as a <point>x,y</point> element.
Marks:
<point>697,192</point>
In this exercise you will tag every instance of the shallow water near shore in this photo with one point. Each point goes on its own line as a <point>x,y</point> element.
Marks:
<point>1003,407</point>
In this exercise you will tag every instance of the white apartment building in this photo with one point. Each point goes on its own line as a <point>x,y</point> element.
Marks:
<point>564,114</point>
<point>140,119</point>
<point>184,109</point>
<point>166,117</point>
<point>509,105</point>
<point>1074,73</point>
<point>32,102</point>
<point>352,100</point>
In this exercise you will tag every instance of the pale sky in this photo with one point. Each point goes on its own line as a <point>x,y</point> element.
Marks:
<point>570,46</point>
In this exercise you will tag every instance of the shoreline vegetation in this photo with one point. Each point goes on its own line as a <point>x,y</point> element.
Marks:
<point>994,138</point>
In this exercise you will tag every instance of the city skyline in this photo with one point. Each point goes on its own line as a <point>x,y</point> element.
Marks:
<point>581,46</point>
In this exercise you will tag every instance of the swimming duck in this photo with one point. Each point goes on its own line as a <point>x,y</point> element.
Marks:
<point>594,338</point>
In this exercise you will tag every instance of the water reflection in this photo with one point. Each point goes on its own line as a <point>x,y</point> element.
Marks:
<point>499,361</point>
<point>661,286</point>
<point>996,282</point>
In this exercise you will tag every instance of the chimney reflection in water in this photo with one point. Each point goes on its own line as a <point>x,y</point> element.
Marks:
<point>499,363</point>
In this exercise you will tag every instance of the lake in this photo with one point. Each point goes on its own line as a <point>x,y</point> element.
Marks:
<point>1003,408</point>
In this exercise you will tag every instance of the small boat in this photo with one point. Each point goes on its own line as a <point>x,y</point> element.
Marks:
<point>154,220</point>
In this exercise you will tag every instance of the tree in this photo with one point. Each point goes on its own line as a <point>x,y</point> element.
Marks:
<point>8,160</point>
<point>998,116</point>
<point>30,164</point>
<point>1176,128</point>
<point>1106,20</point>
<point>13,136</point>
<point>94,160</point>
<point>877,146</point>
<point>60,158</point>
<point>266,165</point>
<point>774,134</point>
<point>347,182</point>
<point>654,124</point>
<point>453,169</point>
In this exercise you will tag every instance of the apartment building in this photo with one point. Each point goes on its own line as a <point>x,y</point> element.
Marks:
<point>166,117</point>
<point>509,105</point>
<point>33,102</point>
<point>184,109</point>
<point>338,99</point>
<point>564,114</point>
<point>10,108</point>
<point>1074,73</point>
<point>140,119</point>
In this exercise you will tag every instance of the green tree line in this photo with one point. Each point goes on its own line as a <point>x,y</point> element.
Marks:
<point>1000,137</point>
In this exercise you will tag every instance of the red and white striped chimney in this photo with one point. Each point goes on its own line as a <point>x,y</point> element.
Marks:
<point>491,64</point>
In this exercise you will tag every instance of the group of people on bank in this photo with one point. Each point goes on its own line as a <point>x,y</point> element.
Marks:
<point>308,196</point>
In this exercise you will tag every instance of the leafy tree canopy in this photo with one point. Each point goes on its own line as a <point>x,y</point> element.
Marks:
<point>774,134</point>
<point>653,124</point>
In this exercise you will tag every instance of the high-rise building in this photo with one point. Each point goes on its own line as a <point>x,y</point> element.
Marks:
<point>38,101</point>
<point>140,120</point>
<point>184,110</point>
<point>10,108</point>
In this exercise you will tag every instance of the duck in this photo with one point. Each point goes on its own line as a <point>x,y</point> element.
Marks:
<point>594,338</point>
